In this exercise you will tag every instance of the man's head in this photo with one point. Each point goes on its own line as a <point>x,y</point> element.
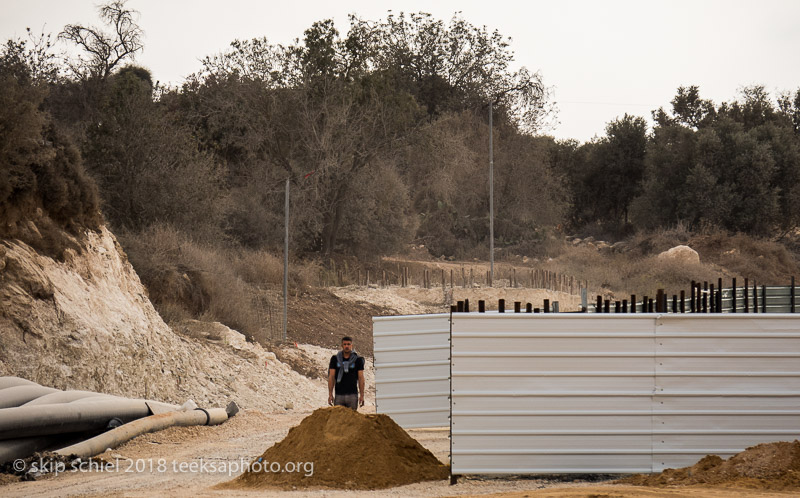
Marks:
<point>347,344</point>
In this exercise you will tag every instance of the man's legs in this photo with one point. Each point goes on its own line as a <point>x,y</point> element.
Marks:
<point>348,400</point>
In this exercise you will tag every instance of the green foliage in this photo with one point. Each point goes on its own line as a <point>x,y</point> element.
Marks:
<point>43,187</point>
<point>735,166</point>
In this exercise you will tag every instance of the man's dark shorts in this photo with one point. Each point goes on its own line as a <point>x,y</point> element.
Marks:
<point>348,400</point>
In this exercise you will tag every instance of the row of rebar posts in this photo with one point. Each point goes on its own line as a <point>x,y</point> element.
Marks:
<point>547,307</point>
<point>703,298</point>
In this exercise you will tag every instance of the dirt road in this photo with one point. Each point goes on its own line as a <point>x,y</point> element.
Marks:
<point>189,461</point>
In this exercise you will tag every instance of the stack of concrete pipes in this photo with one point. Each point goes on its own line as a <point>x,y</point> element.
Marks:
<point>82,423</point>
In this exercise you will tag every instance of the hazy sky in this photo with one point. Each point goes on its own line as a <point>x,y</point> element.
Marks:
<point>602,58</point>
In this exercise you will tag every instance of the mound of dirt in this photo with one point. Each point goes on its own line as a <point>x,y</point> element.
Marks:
<point>348,450</point>
<point>772,466</point>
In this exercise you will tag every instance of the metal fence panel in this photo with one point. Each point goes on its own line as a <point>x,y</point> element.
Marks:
<point>618,393</point>
<point>412,369</point>
<point>724,383</point>
<point>551,394</point>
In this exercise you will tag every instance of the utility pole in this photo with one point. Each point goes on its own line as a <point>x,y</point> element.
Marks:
<point>286,263</point>
<point>491,199</point>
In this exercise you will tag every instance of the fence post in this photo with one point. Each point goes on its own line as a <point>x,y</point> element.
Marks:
<point>755,298</point>
<point>624,305</point>
<point>733,296</point>
<point>713,299</point>
<point>633,303</point>
<point>659,301</point>
<point>691,303</point>
<point>481,306</point>
<point>501,305</point>
<point>528,308</point>
<point>763,298</point>
<point>683,301</point>
<point>598,308</point>
<point>517,306</point>
<point>617,307</point>
<point>746,296</point>
<point>791,296</point>
<point>546,306</point>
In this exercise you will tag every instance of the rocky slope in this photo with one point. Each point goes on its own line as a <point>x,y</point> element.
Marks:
<point>87,323</point>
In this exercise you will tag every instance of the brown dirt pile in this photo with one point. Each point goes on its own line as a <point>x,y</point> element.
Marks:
<point>769,466</point>
<point>349,450</point>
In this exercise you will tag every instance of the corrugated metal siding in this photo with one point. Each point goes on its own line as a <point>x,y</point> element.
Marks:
<point>724,383</point>
<point>412,369</point>
<point>618,393</point>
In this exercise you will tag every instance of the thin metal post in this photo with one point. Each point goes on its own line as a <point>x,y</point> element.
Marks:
<point>491,199</point>
<point>286,263</point>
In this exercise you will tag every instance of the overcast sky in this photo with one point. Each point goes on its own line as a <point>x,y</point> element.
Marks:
<point>602,58</point>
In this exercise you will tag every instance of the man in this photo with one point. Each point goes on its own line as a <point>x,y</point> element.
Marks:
<point>346,374</point>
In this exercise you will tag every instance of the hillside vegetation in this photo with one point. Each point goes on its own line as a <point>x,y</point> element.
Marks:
<point>383,134</point>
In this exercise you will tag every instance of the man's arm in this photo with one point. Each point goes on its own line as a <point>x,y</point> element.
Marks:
<point>361,388</point>
<point>331,384</point>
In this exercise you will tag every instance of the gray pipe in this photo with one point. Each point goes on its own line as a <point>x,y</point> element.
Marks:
<point>21,394</point>
<point>68,397</point>
<point>6,382</point>
<point>11,449</point>
<point>125,433</point>
<point>42,420</point>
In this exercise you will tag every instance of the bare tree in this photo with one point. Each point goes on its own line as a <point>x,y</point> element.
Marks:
<point>104,51</point>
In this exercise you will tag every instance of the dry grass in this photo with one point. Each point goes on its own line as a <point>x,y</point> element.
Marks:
<point>231,285</point>
<point>638,271</point>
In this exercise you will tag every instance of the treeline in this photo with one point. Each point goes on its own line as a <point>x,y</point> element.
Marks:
<point>383,134</point>
<point>733,166</point>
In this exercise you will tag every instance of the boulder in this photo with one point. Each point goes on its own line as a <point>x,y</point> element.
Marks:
<point>683,254</point>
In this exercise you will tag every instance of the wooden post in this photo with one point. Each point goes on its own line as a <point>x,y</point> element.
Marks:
<point>733,296</point>
<point>746,290</point>
<point>705,297</point>
<point>617,307</point>
<point>460,306</point>
<point>659,301</point>
<point>481,306</point>
<point>755,298</point>
<point>683,301</point>
<point>763,298</point>
<point>633,303</point>
<point>645,301</point>
<point>528,308</point>
<point>674,303</point>
<point>650,307</point>
<point>466,305</point>
<point>599,305</point>
<point>546,306</point>
<point>501,305</point>
<point>517,306</point>
<point>607,306</point>
<point>713,298</point>
<point>624,305</point>
<point>791,296</point>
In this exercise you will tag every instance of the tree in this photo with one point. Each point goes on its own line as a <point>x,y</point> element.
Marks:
<point>104,51</point>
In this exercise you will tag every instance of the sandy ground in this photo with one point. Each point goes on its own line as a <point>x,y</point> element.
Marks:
<point>189,461</point>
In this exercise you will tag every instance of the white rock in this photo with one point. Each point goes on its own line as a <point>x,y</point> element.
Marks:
<point>684,254</point>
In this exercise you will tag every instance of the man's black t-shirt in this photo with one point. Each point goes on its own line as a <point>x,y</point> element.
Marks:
<point>349,383</point>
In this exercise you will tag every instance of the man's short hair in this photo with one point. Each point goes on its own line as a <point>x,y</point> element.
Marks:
<point>347,338</point>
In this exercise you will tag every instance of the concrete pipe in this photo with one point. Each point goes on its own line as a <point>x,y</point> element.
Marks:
<point>11,449</point>
<point>125,433</point>
<point>68,397</point>
<point>6,382</point>
<point>19,395</point>
<point>86,415</point>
